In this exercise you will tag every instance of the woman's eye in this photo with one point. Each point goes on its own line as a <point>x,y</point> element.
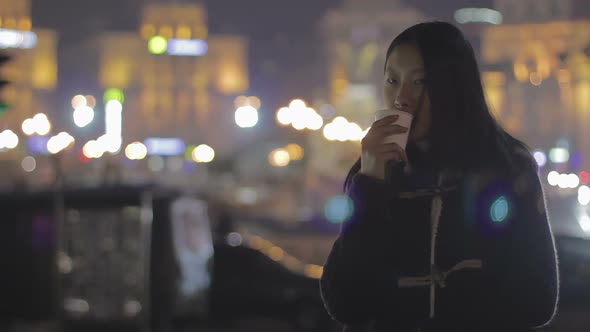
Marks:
<point>419,81</point>
<point>391,80</point>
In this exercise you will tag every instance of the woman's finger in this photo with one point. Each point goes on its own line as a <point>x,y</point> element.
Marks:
<point>392,129</point>
<point>385,121</point>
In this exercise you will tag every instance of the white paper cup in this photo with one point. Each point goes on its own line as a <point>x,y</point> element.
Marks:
<point>404,120</point>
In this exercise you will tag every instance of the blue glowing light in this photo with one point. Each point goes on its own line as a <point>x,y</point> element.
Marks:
<point>164,146</point>
<point>338,209</point>
<point>499,210</point>
<point>187,47</point>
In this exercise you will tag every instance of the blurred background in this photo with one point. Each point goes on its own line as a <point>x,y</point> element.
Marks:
<point>178,165</point>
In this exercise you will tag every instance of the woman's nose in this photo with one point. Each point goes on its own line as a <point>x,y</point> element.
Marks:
<point>403,99</point>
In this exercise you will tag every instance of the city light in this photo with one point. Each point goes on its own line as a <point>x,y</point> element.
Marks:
<point>500,209</point>
<point>338,209</point>
<point>584,222</point>
<point>183,47</point>
<point>113,94</point>
<point>28,164</point>
<point>83,116</point>
<point>299,116</point>
<point>17,39</point>
<point>8,139</point>
<point>478,15</point>
<point>39,124</point>
<point>246,116</point>
<point>563,181</point>
<point>92,149</point>
<point>553,178</point>
<point>113,125</point>
<point>157,45</point>
<point>90,101</point>
<point>284,116</point>
<point>279,158</point>
<point>559,155</point>
<point>110,143</point>
<point>28,127</point>
<point>584,195</point>
<point>165,146</point>
<point>79,101</point>
<point>342,130</point>
<point>203,154</point>
<point>540,158</point>
<point>136,151</point>
<point>585,177</point>
<point>59,142</point>
<point>295,151</point>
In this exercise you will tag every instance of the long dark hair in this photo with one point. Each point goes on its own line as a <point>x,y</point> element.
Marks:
<point>464,135</point>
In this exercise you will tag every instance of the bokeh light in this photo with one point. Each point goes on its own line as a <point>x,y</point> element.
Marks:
<point>90,101</point>
<point>585,177</point>
<point>297,104</point>
<point>553,178</point>
<point>8,139</point>
<point>203,154</point>
<point>60,142</point>
<point>83,116</point>
<point>584,195</point>
<point>584,222</point>
<point>284,115</point>
<point>28,164</point>
<point>113,94</point>
<point>92,149</point>
<point>246,116</point>
<point>338,209</point>
<point>79,101</point>
<point>540,158</point>
<point>499,209</point>
<point>136,151</point>
<point>279,158</point>
<point>254,102</point>
<point>295,151</point>
<point>559,155</point>
<point>41,123</point>
<point>157,45</point>
<point>28,127</point>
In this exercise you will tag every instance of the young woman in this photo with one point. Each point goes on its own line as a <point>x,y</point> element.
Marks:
<point>457,239</point>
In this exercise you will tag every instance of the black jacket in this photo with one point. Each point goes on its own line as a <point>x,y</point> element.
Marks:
<point>492,266</point>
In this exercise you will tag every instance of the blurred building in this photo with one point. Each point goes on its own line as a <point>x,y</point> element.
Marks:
<point>32,73</point>
<point>177,79</point>
<point>537,73</point>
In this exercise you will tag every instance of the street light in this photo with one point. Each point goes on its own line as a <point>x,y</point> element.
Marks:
<point>136,151</point>
<point>8,139</point>
<point>83,116</point>
<point>39,124</point>
<point>340,129</point>
<point>299,116</point>
<point>246,116</point>
<point>59,142</point>
<point>203,154</point>
<point>279,157</point>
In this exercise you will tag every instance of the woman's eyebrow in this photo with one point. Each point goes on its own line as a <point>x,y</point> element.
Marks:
<point>412,71</point>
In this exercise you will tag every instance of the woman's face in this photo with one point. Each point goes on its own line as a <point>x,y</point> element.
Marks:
<point>404,88</point>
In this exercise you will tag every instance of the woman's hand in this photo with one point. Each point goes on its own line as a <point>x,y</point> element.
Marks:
<point>375,153</point>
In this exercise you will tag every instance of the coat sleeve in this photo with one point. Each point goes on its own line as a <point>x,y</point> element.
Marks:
<point>359,279</point>
<point>518,284</point>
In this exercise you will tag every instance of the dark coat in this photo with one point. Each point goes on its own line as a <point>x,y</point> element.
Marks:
<point>474,252</point>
